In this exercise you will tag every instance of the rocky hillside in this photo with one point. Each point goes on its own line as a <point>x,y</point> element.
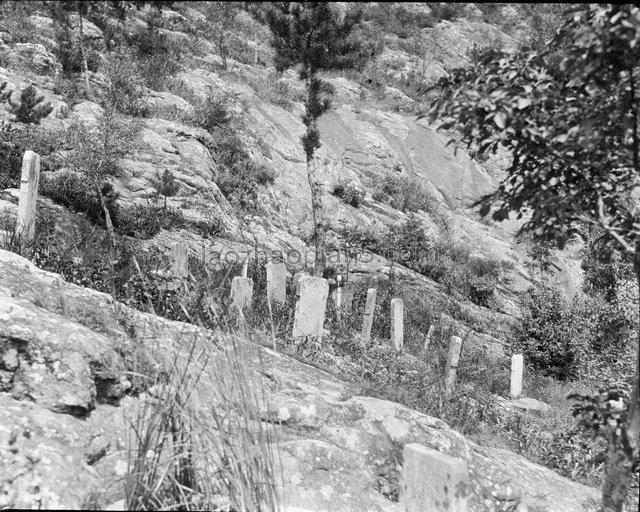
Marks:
<point>68,411</point>
<point>370,136</point>
<point>195,139</point>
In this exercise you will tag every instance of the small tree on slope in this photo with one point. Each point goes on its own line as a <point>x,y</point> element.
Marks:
<point>315,36</point>
<point>569,116</point>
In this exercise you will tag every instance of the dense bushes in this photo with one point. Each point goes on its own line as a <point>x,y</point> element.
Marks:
<point>582,337</point>
<point>441,257</point>
<point>405,194</point>
<point>124,89</point>
<point>16,138</point>
<point>570,339</point>
<point>211,113</point>
<point>137,220</point>
<point>157,55</point>
<point>71,190</point>
<point>398,19</point>
<point>239,175</point>
<point>349,193</point>
<point>32,108</point>
<point>551,331</point>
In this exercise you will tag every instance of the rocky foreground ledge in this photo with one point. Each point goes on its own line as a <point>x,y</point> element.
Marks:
<point>65,396</point>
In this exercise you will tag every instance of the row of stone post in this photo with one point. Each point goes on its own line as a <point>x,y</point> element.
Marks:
<point>311,307</point>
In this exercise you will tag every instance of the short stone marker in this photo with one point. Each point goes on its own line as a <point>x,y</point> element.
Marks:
<point>397,324</point>
<point>311,307</point>
<point>245,266</point>
<point>345,296</point>
<point>180,260</point>
<point>453,358</point>
<point>433,481</point>
<point>277,282</point>
<point>241,292</point>
<point>427,338</point>
<point>369,309</point>
<point>516,375</point>
<point>26,221</point>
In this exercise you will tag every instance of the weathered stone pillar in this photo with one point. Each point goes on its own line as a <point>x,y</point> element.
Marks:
<point>180,260</point>
<point>245,266</point>
<point>517,362</point>
<point>433,481</point>
<point>311,307</point>
<point>455,347</point>
<point>369,309</point>
<point>346,296</point>
<point>241,292</point>
<point>26,220</point>
<point>427,338</point>
<point>277,282</point>
<point>397,324</point>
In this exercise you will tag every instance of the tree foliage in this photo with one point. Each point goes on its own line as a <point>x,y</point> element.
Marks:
<point>32,108</point>
<point>568,115</point>
<point>314,37</point>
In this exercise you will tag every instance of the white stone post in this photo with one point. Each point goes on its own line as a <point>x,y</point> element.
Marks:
<point>369,309</point>
<point>311,307</point>
<point>433,481</point>
<point>397,324</point>
<point>29,180</point>
<point>180,260</point>
<point>427,338</point>
<point>346,300</point>
<point>277,282</point>
<point>516,375</point>
<point>241,291</point>
<point>453,358</point>
<point>245,266</point>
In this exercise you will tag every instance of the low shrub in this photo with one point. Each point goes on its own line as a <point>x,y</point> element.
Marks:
<point>353,241</point>
<point>72,191</point>
<point>554,331</point>
<point>158,57</point>
<point>239,175</point>
<point>71,90</point>
<point>348,192</point>
<point>146,221</point>
<point>165,185</point>
<point>406,195</point>
<point>32,108</point>
<point>11,154</point>
<point>124,88</point>
<point>69,53</point>
<point>399,20</point>
<point>274,90</point>
<point>443,259</point>
<point>211,113</point>
<point>444,11</point>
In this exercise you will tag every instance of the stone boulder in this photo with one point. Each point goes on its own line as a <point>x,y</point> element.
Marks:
<point>42,458</point>
<point>31,56</point>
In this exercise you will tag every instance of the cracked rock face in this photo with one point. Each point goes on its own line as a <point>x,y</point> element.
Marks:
<point>65,414</point>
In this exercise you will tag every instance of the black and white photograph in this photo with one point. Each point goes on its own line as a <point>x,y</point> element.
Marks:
<point>319,256</point>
